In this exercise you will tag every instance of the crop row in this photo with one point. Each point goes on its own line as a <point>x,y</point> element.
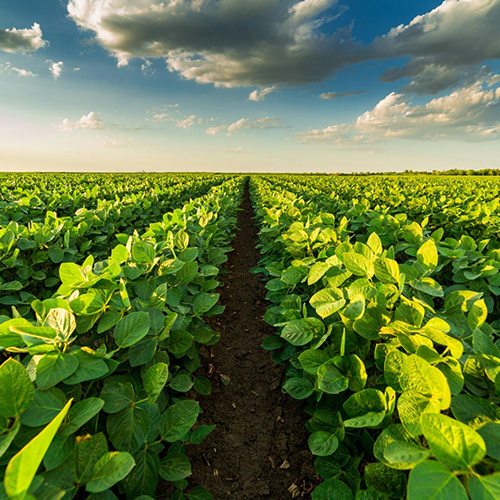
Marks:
<point>95,383</point>
<point>389,340</point>
<point>30,253</point>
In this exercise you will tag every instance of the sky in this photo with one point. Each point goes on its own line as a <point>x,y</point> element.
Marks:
<point>249,85</point>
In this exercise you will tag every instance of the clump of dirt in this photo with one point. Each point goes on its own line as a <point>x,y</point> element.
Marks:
<point>259,447</point>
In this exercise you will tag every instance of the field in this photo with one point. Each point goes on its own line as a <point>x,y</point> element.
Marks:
<point>209,336</point>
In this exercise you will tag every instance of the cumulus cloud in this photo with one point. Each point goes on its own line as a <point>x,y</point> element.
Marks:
<point>260,94</point>
<point>338,95</point>
<point>471,113</point>
<point>92,121</point>
<point>56,68</point>
<point>188,122</point>
<point>147,68</point>
<point>12,70</point>
<point>245,124</point>
<point>22,40</point>
<point>445,44</point>
<point>226,42</point>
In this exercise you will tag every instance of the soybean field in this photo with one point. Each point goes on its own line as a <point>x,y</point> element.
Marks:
<point>224,336</point>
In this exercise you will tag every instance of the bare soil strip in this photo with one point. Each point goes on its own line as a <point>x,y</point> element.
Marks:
<point>259,447</point>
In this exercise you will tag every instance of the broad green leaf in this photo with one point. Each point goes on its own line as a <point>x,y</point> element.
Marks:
<point>312,359</point>
<point>53,368</point>
<point>81,413</point>
<point>175,466</point>
<point>131,329</point>
<point>22,467</point>
<point>178,419</point>
<point>128,429</point>
<point>330,379</point>
<point>155,379</point>
<point>109,470</point>
<point>298,388</point>
<point>433,481</point>
<point>328,301</point>
<point>203,302</point>
<point>322,443</point>
<point>181,383</point>
<point>477,314</point>
<point>17,391</point>
<point>332,489</point>
<point>199,493</point>
<point>358,264</point>
<point>427,254</point>
<point>454,444</point>
<point>200,433</point>
<point>117,396</point>
<point>387,270</point>
<point>301,331</point>
<point>485,487</point>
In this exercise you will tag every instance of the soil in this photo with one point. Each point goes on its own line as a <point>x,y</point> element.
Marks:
<point>259,447</point>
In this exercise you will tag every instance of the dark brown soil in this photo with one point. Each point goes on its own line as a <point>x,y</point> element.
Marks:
<point>259,447</point>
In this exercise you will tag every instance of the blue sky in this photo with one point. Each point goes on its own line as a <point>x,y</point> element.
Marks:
<point>266,85</point>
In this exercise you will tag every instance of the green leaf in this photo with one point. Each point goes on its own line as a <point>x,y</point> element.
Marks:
<point>88,451</point>
<point>200,433</point>
<point>62,321</point>
<point>181,383</point>
<point>387,270</point>
<point>491,434</point>
<point>128,429</point>
<point>155,379</point>
<point>485,487</point>
<point>427,255</point>
<point>202,386</point>
<point>117,396</point>
<point>203,302</point>
<point>131,329</point>
<point>144,477</point>
<point>22,467</point>
<point>71,274</point>
<point>477,314</point>
<point>175,466</point>
<point>187,273</point>
<point>312,359</point>
<point>328,301</point>
<point>301,331</point>
<point>53,368</point>
<point>332,489</point>
<point>358,264</point>
<point>81,413</point>
<point>199,493</point>
<point>322,443</point>
<point>109,470</point>
<point>317,271</point>
<point>298,388</point>
<point>356,307</point>
<point>454,444</point>
<point>178,419</point>
<point>433,481</point>
<point>17,391</point>
<point>179,342</point>
<point>330,379</point>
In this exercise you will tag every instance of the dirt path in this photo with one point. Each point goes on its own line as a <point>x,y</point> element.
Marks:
<point>259,448</point>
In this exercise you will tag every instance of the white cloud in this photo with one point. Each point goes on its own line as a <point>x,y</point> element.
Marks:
<point>471,113</point>
<point>338,95</point>
<point>244,124</point>
<point>12,70</point>
<point>92,121</point>
<point>187,122</point>
<point>56,68</point>
<point>260,95</point>
<point>445,44</point>
<point>228,42</point>
<point>238,150</point>
<point>22,40</point>
<point>147,68</point>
